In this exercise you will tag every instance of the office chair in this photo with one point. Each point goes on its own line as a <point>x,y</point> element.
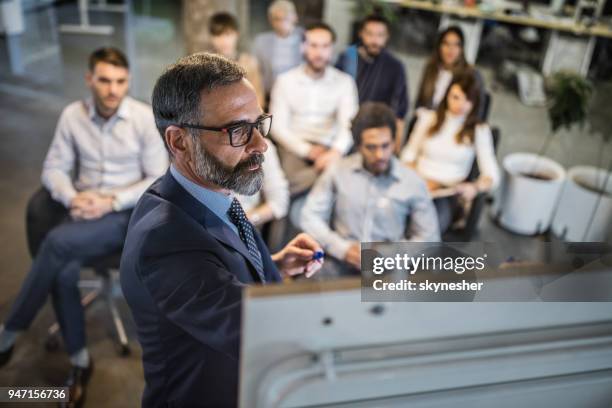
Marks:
<point>470,228</point>
<point>106,285</point>
<point>486,107</point>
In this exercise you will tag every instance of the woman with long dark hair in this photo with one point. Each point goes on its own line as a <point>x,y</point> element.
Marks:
<point>447,60</point>
<point>445,142</point>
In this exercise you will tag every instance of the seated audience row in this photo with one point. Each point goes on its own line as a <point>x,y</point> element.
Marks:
<point>311,124</point>
<point>370,196</point>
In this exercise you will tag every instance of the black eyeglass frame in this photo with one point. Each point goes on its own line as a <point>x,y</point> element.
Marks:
<point>230,129</point>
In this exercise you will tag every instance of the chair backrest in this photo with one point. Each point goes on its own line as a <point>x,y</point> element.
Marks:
<point>475,172</point>
<point>486,107</point>
<point>473,217</point>
<point>43,213</point>
<point>409,127</point>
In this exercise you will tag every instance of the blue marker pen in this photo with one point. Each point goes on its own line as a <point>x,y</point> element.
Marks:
<point>318,255</point>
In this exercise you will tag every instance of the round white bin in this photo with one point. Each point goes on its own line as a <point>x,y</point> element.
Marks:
<point>525,205</point>
<point>578,202</point>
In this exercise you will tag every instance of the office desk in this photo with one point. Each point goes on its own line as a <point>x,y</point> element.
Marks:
<point>538,18</point>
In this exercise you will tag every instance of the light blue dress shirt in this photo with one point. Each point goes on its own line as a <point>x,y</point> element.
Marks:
<point>349,204</point>
<point>218,203</point>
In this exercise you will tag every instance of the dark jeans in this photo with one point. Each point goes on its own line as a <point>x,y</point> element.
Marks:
<point>59,246</point>
<point>447,208</point>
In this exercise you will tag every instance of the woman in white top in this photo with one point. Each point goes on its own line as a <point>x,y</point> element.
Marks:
<point>447,60</point>
<point>444,144</point>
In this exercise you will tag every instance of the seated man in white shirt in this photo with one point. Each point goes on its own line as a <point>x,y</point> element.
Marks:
<point>368,196</point>
<point>313,105</point>
<point>105,153</point>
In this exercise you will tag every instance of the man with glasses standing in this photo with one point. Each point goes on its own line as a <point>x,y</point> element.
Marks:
<point>190,249</point>
<point>104,155</point>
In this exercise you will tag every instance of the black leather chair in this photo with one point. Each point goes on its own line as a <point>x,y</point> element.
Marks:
<point>469,230</point>
<point>486,108</point>
<point>42,214</point>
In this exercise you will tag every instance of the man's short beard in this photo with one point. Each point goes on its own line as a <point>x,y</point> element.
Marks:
<point>239,179</point>
<point>316,69</point>
<point>371,53</point>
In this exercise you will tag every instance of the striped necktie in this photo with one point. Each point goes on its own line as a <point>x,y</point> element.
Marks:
<point>245,230</point>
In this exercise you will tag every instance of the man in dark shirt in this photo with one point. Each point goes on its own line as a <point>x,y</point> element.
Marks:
<point>380,76</point>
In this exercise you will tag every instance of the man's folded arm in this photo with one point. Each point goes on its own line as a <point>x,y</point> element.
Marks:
<point>59,163</point>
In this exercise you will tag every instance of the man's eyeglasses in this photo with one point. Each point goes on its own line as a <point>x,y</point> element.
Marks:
<point>241,133</point>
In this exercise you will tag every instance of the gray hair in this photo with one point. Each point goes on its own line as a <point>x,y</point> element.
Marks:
<point>284,6</point>
<point>177,93</point>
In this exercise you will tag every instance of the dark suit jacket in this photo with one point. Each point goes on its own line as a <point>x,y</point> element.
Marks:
<point>182,273</point>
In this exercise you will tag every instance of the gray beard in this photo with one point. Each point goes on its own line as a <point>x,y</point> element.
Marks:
<point>239,179</point>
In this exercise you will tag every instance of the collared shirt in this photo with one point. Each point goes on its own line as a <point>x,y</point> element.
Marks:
<point>218,203</point>
<point>313,110</point>
<point>368,207</point>
<point>277,54</point>
<point>121,156</point>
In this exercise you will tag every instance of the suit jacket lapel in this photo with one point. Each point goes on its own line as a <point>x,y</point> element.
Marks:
<point>171,190</point>
<point>222,232</point>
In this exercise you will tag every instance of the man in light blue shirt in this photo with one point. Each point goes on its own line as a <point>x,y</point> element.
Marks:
<point>368,196</point>
<point>105,153</point>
